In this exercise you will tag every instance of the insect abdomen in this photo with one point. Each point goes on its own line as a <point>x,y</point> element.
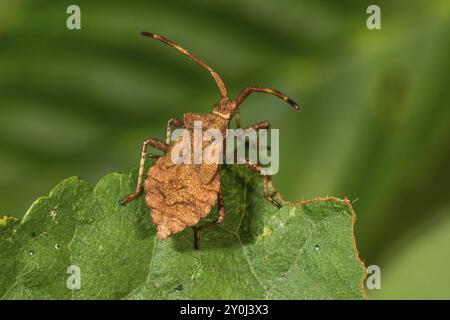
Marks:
<point>177,196</point>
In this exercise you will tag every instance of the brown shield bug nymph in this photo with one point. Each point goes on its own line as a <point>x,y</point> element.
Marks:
<point>179,195</point>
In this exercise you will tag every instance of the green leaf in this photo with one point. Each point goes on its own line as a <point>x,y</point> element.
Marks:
<point>304,251</point>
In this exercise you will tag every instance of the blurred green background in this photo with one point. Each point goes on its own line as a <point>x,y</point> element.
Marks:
<point>375,124</point>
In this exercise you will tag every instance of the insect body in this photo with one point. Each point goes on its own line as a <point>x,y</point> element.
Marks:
<point>180,194</point>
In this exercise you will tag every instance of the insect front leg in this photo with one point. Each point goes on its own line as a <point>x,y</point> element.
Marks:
<point>257,126</point>
<point>149,142</point>
<point>254,127</point>
<point>173,122</point>
<point>220,217</point>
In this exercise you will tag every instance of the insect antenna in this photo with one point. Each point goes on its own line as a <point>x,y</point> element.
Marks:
<point>247,91</point>
<point>217,78</point>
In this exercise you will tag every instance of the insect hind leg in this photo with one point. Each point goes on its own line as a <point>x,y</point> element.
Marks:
<point>221,216</point>
<point>156,143</point>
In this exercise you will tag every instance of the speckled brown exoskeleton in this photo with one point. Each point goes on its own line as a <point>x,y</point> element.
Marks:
<point>179,195</point>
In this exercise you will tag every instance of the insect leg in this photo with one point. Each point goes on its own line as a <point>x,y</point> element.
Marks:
<point>149,142</point>
<point>267,183</point>
<point>173,122</point>
<point>219,220</point>
<point>257,126</point>
<point>247,91</point>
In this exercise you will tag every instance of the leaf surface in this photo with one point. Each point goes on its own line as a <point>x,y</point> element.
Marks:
<point>303,251</point>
